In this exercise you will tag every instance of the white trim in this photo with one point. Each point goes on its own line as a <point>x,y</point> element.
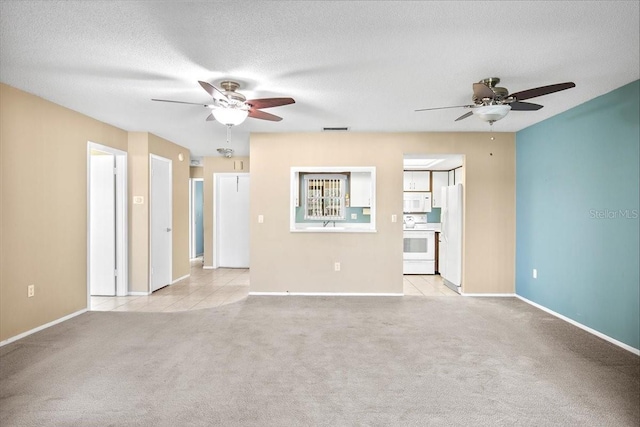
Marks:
<point>39,328</point>
<point>489,295</point>
<point>209,267</point>
<point>180,278</point>
<point>192,215</point>
<point>326,294</point>
<point>581,326</point>
<point>138,293</point>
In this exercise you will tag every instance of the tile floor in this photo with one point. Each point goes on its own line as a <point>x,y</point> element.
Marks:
<point>213,288</point>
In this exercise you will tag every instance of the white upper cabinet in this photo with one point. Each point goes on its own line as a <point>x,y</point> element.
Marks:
<point>360,189</point>
<point>440,180</point>
<point>417,181</point>
<point>459,174</point>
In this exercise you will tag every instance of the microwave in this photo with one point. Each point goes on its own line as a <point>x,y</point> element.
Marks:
<point>416,201</point>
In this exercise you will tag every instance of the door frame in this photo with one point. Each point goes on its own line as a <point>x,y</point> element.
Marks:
<point>192,216</point>
<point>216,208</point>
<point>122,219</point>
<point>164,159</point>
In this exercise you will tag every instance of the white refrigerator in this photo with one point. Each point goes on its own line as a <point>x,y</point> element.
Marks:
<point>450,249</point>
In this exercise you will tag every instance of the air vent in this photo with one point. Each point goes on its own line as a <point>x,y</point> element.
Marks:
<point>335,129</point>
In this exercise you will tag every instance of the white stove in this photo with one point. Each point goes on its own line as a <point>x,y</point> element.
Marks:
<point>419,245</point>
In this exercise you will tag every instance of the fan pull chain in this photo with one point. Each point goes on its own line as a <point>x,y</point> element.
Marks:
<point>228,132</point>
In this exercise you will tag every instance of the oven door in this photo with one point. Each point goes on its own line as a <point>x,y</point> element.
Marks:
<point>416,245</point>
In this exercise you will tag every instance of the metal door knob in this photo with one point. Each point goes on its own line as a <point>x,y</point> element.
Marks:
<point>168,229</point>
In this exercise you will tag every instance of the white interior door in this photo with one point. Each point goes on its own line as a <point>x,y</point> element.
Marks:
<point>102,224</point>
<point>160,223</point>
<point>232,220</point>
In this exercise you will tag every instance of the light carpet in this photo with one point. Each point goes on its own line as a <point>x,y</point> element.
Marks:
<point>321,361</point>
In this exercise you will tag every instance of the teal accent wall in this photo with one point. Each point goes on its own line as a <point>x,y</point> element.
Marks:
<point>577,214</point>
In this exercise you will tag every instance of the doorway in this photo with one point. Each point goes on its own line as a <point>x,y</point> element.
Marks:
<point>432,229</point>
<point>231,219</point>
<point>160,222</point>
<point>196,197</point>
<point>106,222</point>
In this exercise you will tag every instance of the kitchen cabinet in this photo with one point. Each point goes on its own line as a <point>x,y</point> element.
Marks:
<point>456,176</point>
<point>417,181</point>
<point>439,179</point>
<point>360,184</point>
<point>459,175</point>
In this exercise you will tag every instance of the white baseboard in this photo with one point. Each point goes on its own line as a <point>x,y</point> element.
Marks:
<point>138,293</point>
<point>180,278</point>
<point>583,327</point>
<point>489,295</point>
<point>326,294</point>
<point>208,267</point>
<point>39,328</point>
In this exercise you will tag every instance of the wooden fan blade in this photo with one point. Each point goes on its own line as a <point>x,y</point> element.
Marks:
<point>269,102</point>
<point>257,114</point>
<point>180,102</point>
<point>524,106</point>
<point>210,118</point>
<point>464,116</point>
<point>443,108</point>
<point>543,90</point>
<point>213,91</point>
<point>481,90</point>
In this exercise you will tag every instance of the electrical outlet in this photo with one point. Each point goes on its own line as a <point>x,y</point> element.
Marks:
<point>336,266</point>
<point>354,216</point>
<point>535,273</point>
<point>394,218</point>
<point>31,291</point>
<point>260,219</point>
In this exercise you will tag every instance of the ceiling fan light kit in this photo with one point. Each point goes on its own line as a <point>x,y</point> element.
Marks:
<point>230,116</point>
<point>492,113</point>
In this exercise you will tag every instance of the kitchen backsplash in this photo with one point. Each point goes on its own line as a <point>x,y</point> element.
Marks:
<point>434,215</point>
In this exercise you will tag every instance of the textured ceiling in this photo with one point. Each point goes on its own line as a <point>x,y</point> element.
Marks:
<point>365,65</point>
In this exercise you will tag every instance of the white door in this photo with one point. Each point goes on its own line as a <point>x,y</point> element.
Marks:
<point>232,220</point>
<point>102,224</point>
<point>160,222</point>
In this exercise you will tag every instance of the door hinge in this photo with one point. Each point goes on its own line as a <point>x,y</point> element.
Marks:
<point>115,171</point>
<point>115,273</point>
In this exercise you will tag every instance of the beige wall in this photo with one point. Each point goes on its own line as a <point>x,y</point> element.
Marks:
<point>43,209</point>
<point>215,165</point>
<point>196,172</point>
<point>372,263</point>
<point>141,145</point>
<point>43,193</point>
<point>138,164</point>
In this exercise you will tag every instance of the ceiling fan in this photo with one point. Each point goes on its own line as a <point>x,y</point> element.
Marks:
<point>232,108</point>
<point>492,103</point>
